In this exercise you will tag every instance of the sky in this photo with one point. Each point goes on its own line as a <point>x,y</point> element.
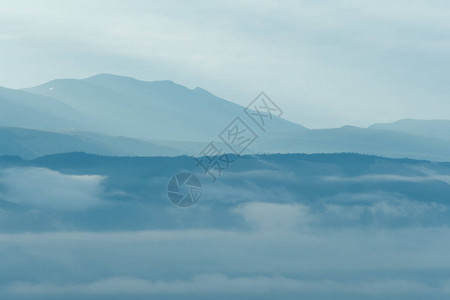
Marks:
<point>325,63</point>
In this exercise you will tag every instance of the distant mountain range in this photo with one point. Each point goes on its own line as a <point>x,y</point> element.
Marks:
<point>428,128</point>
<point>30,143</point>
<point>121,116</point>
<point>387,143</point>
<point>148,110</point>
<point>22,109</point>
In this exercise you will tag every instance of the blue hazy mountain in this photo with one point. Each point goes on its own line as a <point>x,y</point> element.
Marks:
<point>428,128</point>
<point>149,110</point>
<point>158,116</point>
<point>29,143</point>
<point>131,192</point>
<point>22,109</point>
<point>388,143</point>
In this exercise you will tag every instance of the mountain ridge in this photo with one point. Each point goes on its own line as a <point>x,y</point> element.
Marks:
<point>175,110</point>
<point>119,115</point>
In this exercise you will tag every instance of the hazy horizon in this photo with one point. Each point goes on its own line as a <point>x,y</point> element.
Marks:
<point>219,96</point>
<point>313,161</point>
<point>328,64</point>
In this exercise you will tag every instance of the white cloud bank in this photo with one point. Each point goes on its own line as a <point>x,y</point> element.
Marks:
<point>47,189</point>
<point>183,262</point>
<point>221,284</point>
<point>388,178</point>
<point>273,216</point>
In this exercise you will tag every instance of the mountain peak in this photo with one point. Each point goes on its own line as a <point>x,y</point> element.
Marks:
<point>106,77</point>
<point>201,91</point>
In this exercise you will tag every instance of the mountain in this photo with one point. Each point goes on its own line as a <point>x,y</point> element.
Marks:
<point>115,115</point>
<point>22,109</point>
<point>373,141</point>
<point>149,110</point>
<point>428,128</point>
<point>28,143</point>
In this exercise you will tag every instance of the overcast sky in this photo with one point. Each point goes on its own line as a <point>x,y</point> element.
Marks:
<point>326,63</point>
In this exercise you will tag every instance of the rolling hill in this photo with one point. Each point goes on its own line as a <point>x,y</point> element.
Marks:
<point>428,128</point>
<point>29,143</point>
<point>22,109</point>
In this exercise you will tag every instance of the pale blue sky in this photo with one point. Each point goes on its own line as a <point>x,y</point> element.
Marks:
<point>326,63</point>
